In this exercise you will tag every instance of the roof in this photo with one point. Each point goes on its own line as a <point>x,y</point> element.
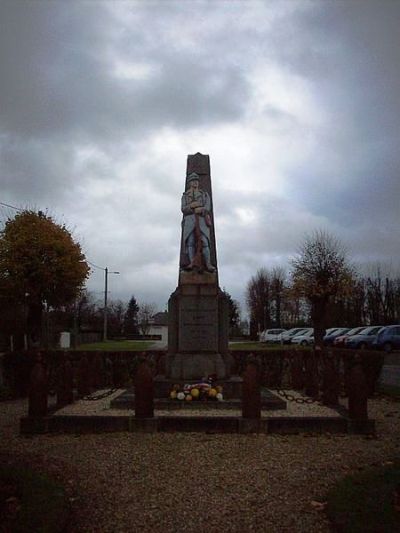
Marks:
<point>160,319</point>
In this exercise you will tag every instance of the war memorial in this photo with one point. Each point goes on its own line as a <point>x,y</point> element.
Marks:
<point>198,384</point>
<point>198,309</point>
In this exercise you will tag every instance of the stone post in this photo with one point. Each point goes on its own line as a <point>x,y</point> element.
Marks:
<point>96,371</point>
<point>83,376</point>
<point>38,389</point>
<point>60,382</point>
<point>330,386</point>
<point>358,390</point>
<point>69,381</point>
<point>296,370</point>
<point>251,391</point>
<point>144,392</point>
<point>311,366</point>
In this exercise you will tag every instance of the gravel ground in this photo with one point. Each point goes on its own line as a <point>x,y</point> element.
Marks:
<point>181,482</point>
<point>102,407</point>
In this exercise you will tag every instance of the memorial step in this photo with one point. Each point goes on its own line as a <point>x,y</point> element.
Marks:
<point>269,401</point>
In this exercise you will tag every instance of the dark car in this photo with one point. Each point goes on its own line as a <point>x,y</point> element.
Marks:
<point>364,339</point>
<point>388,339</point>
<point>330,337</point>
<point>341,339</point>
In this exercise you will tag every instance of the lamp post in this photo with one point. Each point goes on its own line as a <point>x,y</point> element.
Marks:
<point>106,272</point>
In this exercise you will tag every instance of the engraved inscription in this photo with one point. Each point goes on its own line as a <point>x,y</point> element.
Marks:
<point>198,324</point>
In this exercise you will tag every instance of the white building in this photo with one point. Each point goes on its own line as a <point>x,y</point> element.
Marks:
<point>159,326</point>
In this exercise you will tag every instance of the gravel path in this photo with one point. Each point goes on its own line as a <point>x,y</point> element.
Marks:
<point>181,482</point>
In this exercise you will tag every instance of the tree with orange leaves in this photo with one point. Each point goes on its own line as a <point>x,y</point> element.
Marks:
<point>40,263</point>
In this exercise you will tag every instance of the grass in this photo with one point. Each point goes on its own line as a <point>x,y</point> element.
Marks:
<point>141,346</point>
<point>117,346</point>
<point>390,390</point>
<point>40,503</point>
<point>364,502</point>
<point>257,346</point>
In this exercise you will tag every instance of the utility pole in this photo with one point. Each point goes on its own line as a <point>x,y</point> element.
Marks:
<point>106,272</point>
<point>105,303</point>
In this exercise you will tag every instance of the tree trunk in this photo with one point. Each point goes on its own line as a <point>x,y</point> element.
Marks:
<point>34,324</point>
<point>318,316</point>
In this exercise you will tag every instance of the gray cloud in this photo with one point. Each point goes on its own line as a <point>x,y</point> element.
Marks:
<point>297,104</point>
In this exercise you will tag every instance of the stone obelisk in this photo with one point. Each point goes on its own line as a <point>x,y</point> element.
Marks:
<point>198,309</point>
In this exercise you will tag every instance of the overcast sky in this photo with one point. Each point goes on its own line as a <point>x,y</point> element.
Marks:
<point>296,103</point>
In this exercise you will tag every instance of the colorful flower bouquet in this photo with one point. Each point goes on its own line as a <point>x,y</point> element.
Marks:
<point>204,390</point>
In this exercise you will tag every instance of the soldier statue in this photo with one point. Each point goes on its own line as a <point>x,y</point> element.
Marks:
<point>196,223</point>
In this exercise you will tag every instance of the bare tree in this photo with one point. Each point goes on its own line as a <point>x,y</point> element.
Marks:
<point>116,314</point>
<point>278,283</point>
<point>321,271</point>
<point>382,292</point>
<point>295,308</point>
<point>258,301</point>
<point>145,314</point>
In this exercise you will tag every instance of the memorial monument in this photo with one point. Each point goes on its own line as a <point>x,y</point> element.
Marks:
<point>198,309</point>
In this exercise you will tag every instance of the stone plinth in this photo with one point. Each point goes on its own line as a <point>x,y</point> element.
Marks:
<point>198,332</point>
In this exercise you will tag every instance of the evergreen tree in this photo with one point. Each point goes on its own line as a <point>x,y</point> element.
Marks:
<point>234,315</point>
<point>131,318</point>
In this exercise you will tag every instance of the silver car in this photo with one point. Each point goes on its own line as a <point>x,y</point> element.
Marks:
<point>306,338</point>
<point>287,336</point>
<point>271,335</point>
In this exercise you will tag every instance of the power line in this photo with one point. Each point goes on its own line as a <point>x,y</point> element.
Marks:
<point>11,206</point>
<point>95,266</point>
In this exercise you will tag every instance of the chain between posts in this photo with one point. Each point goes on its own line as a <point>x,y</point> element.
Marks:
<point>290,398</point>
<point>101,396</point>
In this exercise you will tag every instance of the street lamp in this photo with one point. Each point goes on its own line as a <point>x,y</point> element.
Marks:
<point>106,272</point>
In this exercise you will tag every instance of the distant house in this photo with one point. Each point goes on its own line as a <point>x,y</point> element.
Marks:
<point>159,325</point>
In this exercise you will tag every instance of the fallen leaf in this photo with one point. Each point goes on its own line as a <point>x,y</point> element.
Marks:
<point>318,506</point>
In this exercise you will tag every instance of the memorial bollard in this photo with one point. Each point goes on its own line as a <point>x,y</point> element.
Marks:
<point>144,392</point>
<point>68,381</point>
<point>38,389</point>
<point>251,392</point>
<point>358,390</point>
<point>60,382</point>
<point>96,370</point>
<point>64,385</point>
<point>330,380</point>
<point>83,376</point>
<point>296,371</point>
<point>311,368</point>
<point>118,370</point>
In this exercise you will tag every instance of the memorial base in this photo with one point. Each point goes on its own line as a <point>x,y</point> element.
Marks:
<point>232,387</point>
<point>196,366</point>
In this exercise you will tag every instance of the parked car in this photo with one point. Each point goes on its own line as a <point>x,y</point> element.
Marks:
<point>271,335</point>
<point>287,336</point>
<point>329,331</point>
<point>387,339</point>
<point>330,336</point>
<point>306,338</point>
<point>340,340</point>
<point>364,338</point>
